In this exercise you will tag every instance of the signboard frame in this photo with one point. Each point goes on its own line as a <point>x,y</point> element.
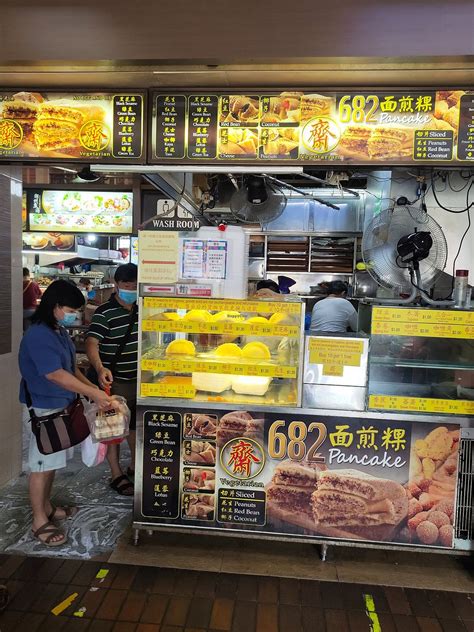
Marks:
<point>90,159</point>
<point>336,93</point>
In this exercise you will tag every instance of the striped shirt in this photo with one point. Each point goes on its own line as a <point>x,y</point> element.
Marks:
<point>109,325</point>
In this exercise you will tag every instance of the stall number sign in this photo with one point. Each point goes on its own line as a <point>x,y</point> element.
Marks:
<point>334,355</point>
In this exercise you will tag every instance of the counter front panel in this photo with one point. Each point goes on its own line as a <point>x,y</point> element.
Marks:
<point>297,474</point>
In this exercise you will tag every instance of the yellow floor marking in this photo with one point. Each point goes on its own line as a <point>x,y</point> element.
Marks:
<point>370,612</point>
<point>64,604</point>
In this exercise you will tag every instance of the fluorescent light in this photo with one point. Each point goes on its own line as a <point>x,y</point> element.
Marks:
<point>195,169</point>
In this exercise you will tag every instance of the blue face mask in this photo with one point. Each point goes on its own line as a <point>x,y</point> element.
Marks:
<point>91,294</point>
<point>128,296</point>
<point>68,319</point>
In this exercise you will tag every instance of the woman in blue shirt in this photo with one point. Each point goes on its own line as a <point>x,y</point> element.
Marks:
<point>47,360</point>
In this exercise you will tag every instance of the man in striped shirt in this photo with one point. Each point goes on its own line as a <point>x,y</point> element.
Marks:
<point>108,328</point>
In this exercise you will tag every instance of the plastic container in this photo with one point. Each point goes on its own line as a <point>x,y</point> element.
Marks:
<point>460,288</point>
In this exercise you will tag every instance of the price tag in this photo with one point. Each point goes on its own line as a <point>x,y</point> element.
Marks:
<point>423,329</point>
<point>334,355</point>
<point>231,368</point>
<point>233,328</point>
<point>219,305</point>
<point>184,391</point>
<point>428,405</point>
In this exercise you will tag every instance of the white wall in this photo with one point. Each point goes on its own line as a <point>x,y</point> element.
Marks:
<point>10,411</point>
<point>453,226</point>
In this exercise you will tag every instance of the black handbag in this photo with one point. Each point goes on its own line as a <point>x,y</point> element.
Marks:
<point>58,431</point>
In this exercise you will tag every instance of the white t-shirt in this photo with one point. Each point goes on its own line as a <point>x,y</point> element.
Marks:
<point>333,315</point>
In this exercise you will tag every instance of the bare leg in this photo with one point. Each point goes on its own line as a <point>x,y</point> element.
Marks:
<point>113,455</point>
<point>131,440</point>
<point>40,484</point>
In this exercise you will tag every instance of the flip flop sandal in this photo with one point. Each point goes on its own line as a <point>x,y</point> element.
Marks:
<point>122,485</point>
<point>69,511</point>
<point>50,530</point>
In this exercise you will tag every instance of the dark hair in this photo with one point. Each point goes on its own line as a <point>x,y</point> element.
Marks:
<point>337,287</point>
<point>268,285</point>
<point>62,293</point>
<point>127,273</point>
<point>85,281</point>
<point>26,272</point>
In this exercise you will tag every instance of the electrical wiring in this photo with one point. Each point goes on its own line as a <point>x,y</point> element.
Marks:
<point>457,190</point>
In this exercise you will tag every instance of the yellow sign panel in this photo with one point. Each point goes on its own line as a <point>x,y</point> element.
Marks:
<point>430,323</point>
<point>422,404</point>
<point>158,256</point>
<point>219,305</point>
<point>335,370</point>
<point>231,368</point>
<point>335,352</point>
<point>228,327</point>
<point>163,389</point>
<point>406,315</point>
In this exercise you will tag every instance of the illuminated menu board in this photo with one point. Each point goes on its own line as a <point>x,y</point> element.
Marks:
<point>357,127</point>
<point>90,127</point>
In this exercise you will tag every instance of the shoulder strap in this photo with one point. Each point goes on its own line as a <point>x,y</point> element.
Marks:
<point>125,339</point>
<point>29,403</point>
<point>27,286</point>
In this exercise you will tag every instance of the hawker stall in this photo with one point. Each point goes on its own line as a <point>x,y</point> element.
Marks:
<point>249,428</point>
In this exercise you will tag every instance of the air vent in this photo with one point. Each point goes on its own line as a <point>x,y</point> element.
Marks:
<point>464,523</point>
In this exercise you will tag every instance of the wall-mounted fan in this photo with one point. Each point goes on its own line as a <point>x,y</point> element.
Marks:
<point>405,249</point>
<point>257,201</point>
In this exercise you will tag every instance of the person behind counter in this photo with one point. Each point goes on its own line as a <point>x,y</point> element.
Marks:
<point>112,349</point>
<point>47,361</point>
<point>31,294</point>
<point>334,314</point>
<point>85,285</point>
<point>267,289</point>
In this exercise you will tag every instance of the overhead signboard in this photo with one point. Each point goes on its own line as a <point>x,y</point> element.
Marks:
<point>80,211</point>
<point>350,127</point>
<point>51,242</point>
<point>83,126</point>
<point>166,214</point>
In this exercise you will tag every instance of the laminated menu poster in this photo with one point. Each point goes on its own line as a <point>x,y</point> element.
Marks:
<point>300,475</point>
<point>358,127</point>
<point>89,126</point>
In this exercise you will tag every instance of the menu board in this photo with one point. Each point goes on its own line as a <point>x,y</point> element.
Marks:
<point>90,127</point>
<point>350,127</point>
<point>300,475</point>
<point>80,211</point>
<point>51,242</point>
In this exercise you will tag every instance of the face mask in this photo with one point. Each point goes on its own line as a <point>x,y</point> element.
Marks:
<point>91,294</point>
<point>68,319</point>
<point>128,296</point>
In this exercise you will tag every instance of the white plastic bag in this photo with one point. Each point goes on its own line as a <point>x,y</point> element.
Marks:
<point>111,424</point>
<point>92,453</point>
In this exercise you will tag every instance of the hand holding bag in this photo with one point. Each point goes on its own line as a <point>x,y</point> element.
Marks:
<point>58,431</point>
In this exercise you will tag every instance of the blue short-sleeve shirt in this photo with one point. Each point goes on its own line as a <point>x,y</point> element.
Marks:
<point>44,350</point>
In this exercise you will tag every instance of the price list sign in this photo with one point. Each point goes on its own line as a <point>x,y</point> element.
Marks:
<point>128,124</point>
<point>161,464</point>
<point>238,506</point>
<point>170,123</point>
<point>466,128</point>
<point>202,124</point>
<point>433,145</point>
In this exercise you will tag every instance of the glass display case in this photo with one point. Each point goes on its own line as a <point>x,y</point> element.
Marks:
<point>221,350</point>
<point>422,360</point>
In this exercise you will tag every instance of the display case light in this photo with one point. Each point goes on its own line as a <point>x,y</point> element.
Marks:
<point>195,169</point>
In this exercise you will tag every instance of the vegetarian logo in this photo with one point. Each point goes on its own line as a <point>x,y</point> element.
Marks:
<point>242,458</point>
<point>94,135</point>
<point>321,134</point>
<point>11,134</point>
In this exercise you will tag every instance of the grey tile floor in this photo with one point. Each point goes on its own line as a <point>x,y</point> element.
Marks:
<point>103,516</point>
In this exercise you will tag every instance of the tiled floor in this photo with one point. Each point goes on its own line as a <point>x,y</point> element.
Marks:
<point>119,598</point>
